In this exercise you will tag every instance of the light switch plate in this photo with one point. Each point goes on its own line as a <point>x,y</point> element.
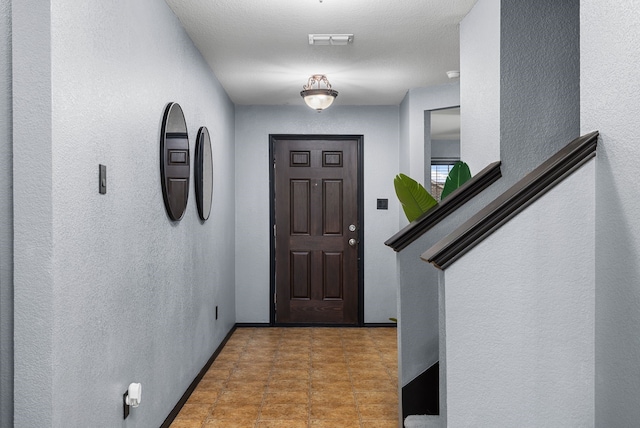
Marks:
<point>102,179</point>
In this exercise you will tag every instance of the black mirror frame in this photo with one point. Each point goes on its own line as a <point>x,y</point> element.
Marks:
<point>203,169</point>
<point>174,161</point>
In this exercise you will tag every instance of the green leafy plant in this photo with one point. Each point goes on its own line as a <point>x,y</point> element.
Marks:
<point>459,174</point>
<point>413,196</point>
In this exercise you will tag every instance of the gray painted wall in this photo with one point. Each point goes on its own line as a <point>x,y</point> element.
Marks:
<point>540,81</point>
<point>480,85</point>
<point>417,303</point>
<point>520,314</point>
<point>108,290</point>
<point>413,144</point>
<point>6,220</point>
<point>536,120</point>
<point>380,127</point>
<point>610,89</point>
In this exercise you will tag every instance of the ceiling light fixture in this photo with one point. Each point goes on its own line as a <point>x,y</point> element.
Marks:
<point>453,74</point>
<point>318,99</point>
<point>330,39</point>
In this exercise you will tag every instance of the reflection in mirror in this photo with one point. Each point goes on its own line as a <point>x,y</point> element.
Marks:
<point>445,146</point>
<point>174,161</point>
<point>204,173</point>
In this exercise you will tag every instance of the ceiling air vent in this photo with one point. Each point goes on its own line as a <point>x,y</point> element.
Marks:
<point>330,39</point>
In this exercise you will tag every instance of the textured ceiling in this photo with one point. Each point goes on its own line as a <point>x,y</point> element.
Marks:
<point>259,49</point>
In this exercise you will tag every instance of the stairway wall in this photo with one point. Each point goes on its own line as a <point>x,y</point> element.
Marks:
<point>520,313</point>
<point>610,88</point>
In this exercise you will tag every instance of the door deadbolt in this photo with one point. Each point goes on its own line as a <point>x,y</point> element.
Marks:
<point>352,228</point>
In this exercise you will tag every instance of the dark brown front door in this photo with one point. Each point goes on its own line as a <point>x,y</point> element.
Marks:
<point>315,188</point>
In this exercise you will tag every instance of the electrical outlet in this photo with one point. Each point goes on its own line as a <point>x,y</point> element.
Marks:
<point>124,403</point>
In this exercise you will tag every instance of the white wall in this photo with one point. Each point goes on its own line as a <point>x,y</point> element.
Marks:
<point>610,89</point>
<point>6,220</point>
<point>108,290</point>
<point>380,128</point>
<point>480,85</point>
<point>520,315</point>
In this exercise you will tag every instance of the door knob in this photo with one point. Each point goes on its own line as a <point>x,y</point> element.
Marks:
<point>352,242</point>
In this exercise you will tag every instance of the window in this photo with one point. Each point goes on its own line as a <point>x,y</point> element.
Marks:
<point>439,170</point>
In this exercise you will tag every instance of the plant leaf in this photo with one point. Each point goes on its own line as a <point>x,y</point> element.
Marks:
<point>459,174</point>
<point>413,196</point>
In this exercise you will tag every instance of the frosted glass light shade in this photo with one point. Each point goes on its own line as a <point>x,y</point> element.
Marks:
<point>319,99</point>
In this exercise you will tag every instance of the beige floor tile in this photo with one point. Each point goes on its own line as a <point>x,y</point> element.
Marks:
<point>223,365</point>
<point>259,374</point>
<point>330,385</point>
<point>230,355</point>
<point>235,411</point>
<point>295,411</point>
<point>227,423</point>
<point>360,385</point>
<point>330,365</point>
<point>359,373</point>
<point>333,424</point>
<point>377,397</point>
<point>378,411</point>
<point>366,365</point>
<point>296,364</point>
<point>287,423</point>
<point>344,397</point>
<point>299,377</point>
<point>287,397</point>
<point>297,331</point>
<point>237,347</point>
<point>254,365</point>
<point>391,423</point>
<point>293,355</point>
<point>247,385</point>
<point>212,384</point>
<point>203,396</point>
<point>333,411</point>
<point>327,342</point>
<point>288,385</point>
<point>303,354</point>
<point>240,397</point>
<point>185,424</point>
<point>341,375</point>
<point>194,412</point>
<point>286,373</point>
<point>258,355</point>
<point>215,373</point>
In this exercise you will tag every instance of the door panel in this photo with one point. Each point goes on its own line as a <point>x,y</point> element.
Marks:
<point>315,188</point>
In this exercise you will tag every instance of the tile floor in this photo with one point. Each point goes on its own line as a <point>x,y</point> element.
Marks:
<point>299,377</point>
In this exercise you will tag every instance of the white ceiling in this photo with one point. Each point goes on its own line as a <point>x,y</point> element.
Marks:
<point>259,49</point>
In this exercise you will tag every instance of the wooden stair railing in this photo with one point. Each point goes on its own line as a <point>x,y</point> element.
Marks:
<point>455,200</point>
<point>511,202</point>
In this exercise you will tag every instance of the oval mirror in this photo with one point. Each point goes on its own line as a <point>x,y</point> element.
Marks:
<point>174,161</point>
<point>203,165</point>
